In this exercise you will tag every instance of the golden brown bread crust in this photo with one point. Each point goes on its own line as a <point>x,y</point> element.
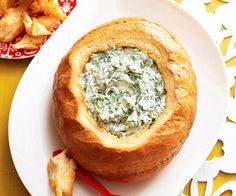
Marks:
<point>140,155</point>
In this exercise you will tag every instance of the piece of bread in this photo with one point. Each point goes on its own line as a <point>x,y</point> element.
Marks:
<point>61,173</point>
<point>138,156</point>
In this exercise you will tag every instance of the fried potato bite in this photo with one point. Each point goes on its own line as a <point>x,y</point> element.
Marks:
<point>29,42</point>
<point>33,27</point>
<point>4,5</point>
<point>48,21</point>
<point>11,24</point>
<point>35,7</point>
<point>25,2</point>
<point>52,8</point>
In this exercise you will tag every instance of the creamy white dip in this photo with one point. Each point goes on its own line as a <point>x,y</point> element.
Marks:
<point>124,90</point>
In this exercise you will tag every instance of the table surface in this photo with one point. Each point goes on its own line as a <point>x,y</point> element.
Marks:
<point>10,73</point>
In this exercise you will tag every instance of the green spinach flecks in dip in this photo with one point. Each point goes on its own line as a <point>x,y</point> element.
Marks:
<point>123,89</point>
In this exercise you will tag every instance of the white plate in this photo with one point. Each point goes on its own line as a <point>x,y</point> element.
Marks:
<point>32,135</point>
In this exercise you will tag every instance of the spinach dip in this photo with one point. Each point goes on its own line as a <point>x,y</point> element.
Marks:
<point>123,90</point>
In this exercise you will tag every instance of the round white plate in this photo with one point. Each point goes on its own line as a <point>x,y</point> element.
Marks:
<point>32,134</point>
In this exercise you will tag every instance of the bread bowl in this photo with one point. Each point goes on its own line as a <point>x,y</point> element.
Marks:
<point>150,145</point>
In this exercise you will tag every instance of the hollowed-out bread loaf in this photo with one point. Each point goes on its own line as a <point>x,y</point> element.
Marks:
<point>140,155</point>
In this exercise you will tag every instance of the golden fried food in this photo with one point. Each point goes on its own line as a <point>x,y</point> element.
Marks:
<point>29,42</point>
<point>37,29</point>
<point>35,7</point>
<point>11,24</point>
<point>52,8</point>
<point>14,20</point>
<point>33,27</point>
<point>25,2</point>
<point>4,5</point>
<point>48,21</point>
<point>2,8</point>
<point>61,172</point>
